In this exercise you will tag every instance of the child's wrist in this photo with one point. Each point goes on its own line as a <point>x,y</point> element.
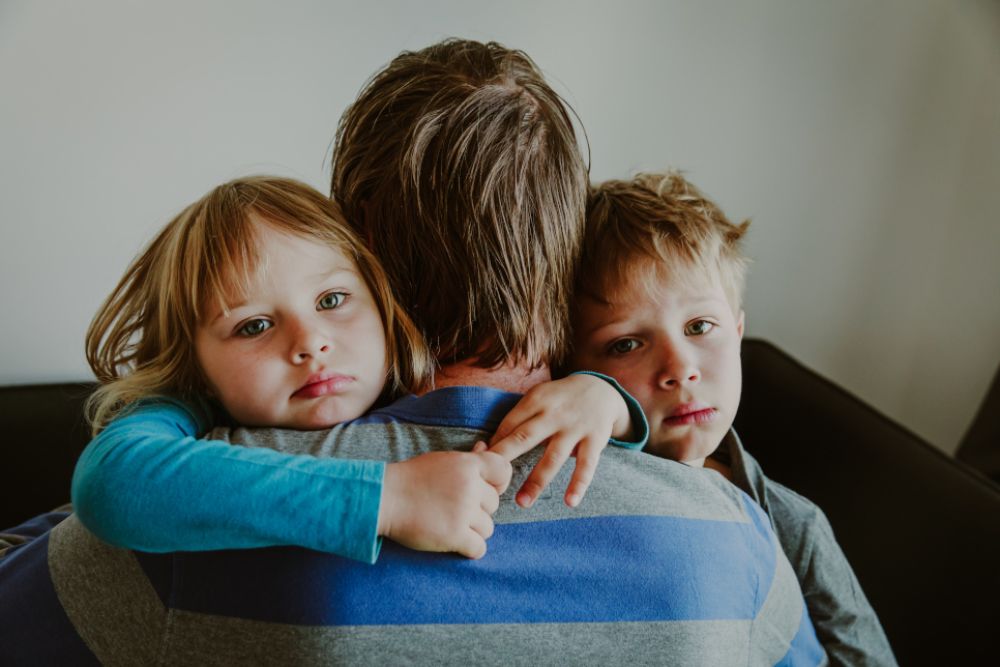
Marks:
<point>636,425</point>
<point>385,507</point>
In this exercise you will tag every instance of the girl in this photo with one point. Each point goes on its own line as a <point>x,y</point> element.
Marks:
<point>257,305</point>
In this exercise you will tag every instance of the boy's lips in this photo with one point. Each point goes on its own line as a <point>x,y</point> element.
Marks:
<point>691,413</point>
<point>321,384</point>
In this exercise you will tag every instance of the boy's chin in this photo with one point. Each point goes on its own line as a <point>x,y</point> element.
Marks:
<point>689,450</point>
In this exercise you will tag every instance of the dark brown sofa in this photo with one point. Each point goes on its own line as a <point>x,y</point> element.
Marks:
<point>921,529</point>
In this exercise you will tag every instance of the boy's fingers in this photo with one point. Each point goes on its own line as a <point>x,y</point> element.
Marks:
<point>583,474</point>
<point>496,470</point>
<point>519,414</point>
<point>479,447</point>
<point>523,439</point>
<point>555,456</point>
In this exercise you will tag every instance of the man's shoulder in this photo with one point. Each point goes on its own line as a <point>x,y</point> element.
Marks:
<point>444,419</point>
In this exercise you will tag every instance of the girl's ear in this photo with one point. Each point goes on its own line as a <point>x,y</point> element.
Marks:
<point>739,324</point>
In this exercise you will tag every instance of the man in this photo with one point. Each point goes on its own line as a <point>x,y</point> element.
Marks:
<point>460,166</point>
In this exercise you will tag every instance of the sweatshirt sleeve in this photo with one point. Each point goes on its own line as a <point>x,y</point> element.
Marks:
<point>146,482</point>
<point>845,621</point>
<point>640,425</point>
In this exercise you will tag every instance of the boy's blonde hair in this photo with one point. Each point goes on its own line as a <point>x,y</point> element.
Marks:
<point>141,341</point>
<point>460,167</point>
<point>663,218</point>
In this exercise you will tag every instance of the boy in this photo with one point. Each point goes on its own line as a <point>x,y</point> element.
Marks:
<point>659,309</point>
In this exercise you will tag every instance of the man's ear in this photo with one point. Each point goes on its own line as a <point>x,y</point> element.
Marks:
<point>740,322</point>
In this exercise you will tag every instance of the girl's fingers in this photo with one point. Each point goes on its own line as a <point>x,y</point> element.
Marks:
<point>482,525</point>
<point>473,546</point>
<point>495,471</point>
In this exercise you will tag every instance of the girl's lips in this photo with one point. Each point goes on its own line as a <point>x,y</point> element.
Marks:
<point>323,385</point>
<point>684,416</point>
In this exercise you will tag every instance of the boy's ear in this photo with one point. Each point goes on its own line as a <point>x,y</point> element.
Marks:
<point>740,322</point>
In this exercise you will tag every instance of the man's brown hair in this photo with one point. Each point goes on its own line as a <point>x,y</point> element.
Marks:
<point>663,218</point>
<point>460,166</point>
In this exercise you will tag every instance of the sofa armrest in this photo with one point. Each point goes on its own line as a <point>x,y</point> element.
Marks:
<point>44,432</point>
<point>921,529</point>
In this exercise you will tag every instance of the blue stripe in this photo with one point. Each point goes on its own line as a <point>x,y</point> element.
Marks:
<point>468,407</point>
<point>805,650</point>
<point>37,525</point>
<point>34,629</point>
<point>604,569</point>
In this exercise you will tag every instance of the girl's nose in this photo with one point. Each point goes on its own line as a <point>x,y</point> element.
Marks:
<point>307,343</point>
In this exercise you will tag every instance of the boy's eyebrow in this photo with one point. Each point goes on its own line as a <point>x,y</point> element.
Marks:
<point>603,324</point>
<point>611,304</point>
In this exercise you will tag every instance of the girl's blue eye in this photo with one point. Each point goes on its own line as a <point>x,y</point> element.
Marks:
<point>331,301</point>
<point>698,328</point>
<point>254,328</point>
<point>624,346</point>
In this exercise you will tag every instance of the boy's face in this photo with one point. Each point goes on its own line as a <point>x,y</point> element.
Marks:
<point>675,346</point>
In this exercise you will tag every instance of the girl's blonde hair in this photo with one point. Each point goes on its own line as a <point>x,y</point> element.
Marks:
<point>140,343</point>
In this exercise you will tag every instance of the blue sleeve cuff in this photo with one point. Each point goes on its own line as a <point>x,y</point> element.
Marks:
<point>640,426</point>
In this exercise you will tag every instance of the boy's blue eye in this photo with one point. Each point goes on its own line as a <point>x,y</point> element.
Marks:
<point>331,301</point>
<point>254,328</point>
<point>624,346</point>
<point>698,328</point>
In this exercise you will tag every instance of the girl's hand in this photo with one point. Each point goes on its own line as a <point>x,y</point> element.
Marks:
<point>573,416</point>
<point>443,501</point>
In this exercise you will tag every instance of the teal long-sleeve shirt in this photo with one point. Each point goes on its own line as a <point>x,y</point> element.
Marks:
<point>147,483</point>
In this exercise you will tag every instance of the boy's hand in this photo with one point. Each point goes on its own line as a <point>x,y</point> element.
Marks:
<point>443,501</point>
<point>575,415</point>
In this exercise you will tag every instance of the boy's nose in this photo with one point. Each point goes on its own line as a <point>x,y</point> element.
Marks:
<point>676,370</point>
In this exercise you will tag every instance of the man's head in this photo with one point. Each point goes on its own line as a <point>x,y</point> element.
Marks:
<point>659,308</point>
<point>460,166</point>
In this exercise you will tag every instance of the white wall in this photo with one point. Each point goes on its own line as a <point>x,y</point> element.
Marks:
<point>862,137</point>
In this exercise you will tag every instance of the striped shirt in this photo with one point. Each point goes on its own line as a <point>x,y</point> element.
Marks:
<point>660,564</point>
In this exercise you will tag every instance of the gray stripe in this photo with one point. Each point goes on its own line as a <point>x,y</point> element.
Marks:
<point>627,482</point>
<point>779,617</point>
<point>106,595</point>
<point>195,639</point>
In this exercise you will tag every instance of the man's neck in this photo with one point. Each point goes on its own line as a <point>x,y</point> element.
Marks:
<point>513,378</point>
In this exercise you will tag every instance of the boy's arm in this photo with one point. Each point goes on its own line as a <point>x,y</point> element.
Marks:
<point>147,483</point>
<point>575,416</point>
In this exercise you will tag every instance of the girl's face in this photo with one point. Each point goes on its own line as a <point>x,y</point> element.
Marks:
<point>306,349</point>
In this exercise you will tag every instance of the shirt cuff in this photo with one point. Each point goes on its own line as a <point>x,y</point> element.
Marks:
<point>640,426</point>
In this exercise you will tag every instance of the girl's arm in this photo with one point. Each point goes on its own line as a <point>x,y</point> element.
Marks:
<point>578,416</point>
<point>147,483</point>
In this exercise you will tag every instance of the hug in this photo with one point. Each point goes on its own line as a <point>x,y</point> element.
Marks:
<point>336,430</point>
